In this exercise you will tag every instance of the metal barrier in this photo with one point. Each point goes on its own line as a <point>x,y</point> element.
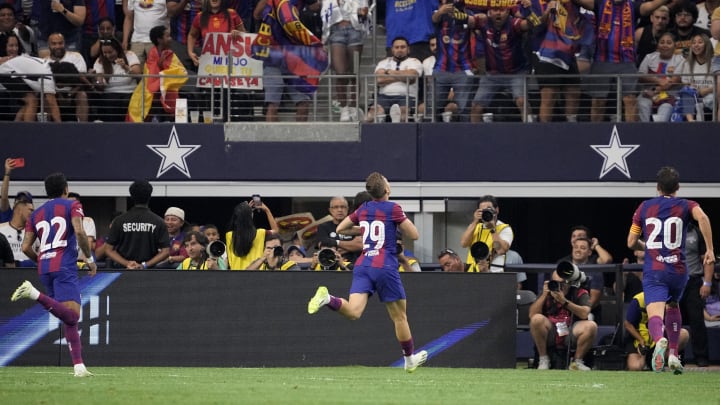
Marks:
<point>93,102</point>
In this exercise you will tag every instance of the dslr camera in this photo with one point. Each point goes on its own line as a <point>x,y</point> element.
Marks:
<point>571,274</point>
<point>554,285</point>
<point>327,258</point>
<point>278,251</point>
<point>487,214</point>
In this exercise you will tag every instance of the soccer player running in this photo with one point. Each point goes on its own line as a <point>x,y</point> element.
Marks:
<point>376,270</point>
<point>662,222</point>
<point>59,225</point>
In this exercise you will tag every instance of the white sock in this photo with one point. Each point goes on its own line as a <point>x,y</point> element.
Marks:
<point>34,294</point>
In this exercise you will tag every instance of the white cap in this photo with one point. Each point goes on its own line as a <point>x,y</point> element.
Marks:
<point>178,212</point>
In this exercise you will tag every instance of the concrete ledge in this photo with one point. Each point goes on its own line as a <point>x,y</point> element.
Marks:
<point>292,132</point>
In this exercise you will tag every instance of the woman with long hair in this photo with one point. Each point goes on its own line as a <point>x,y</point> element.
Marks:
<point>699,79</point>
<point>660,69</point>
<point>245,242</point>
<point>214,16</point>
<point>116,71</point>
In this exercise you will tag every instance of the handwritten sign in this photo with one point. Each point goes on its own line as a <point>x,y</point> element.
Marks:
<point>226,62</point>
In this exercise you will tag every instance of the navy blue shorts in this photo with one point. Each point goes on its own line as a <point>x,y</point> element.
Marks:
<point>62,285</point>
<point>386,282</point>
<point>661,286</point>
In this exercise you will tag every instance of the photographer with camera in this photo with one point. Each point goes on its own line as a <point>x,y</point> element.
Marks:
<point>349,246</point>
<point>640,345</point>
<point>275,255</point>
<point>488,229</point>
<point>560,311</point>
<point>327,257</point>
<point>582,254</point>
<point>199,258</point>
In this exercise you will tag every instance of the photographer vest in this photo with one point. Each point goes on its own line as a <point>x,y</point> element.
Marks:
<point>484,235</point>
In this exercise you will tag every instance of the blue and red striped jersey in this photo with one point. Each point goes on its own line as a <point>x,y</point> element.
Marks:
<point>504,52</point>
<point>663,222</point>
<point>181,23</point>
<point>52,224</point>
<point>96,10</point>
<point>453,46</point>
<point>379,221</point>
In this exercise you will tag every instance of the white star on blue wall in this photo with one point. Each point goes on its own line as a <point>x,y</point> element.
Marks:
<point>173,154</point>
<point>614,154</point>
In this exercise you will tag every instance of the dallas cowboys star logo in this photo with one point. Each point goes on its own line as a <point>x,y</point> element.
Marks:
<point>614,154</point>
<point>173,154</point>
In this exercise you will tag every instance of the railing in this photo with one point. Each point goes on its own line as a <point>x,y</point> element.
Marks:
<point>92,102</point>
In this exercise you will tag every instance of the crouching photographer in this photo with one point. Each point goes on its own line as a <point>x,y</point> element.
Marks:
<point>559,320</point>
<point>639,344</point>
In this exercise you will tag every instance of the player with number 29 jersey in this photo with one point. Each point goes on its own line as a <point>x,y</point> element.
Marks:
<point>52,223</point>
<point>379,221</point>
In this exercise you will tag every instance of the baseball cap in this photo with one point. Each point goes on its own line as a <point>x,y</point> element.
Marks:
<point>23,196</point>
<point>178,212</point>
<point>296,248</point>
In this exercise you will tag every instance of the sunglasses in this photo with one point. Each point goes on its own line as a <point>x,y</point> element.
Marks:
<point>446,252</point>
<point>106,41</point>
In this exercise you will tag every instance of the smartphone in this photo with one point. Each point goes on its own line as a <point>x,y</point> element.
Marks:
<point>19,162</point>
<point>257,201</point>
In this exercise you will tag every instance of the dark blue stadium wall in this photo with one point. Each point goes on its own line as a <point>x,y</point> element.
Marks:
<point>260,319</point>
<point>506,152</point>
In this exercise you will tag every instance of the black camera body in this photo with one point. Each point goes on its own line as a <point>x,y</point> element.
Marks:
<point>554,285</point>
<point>278,251</point>
<point>487,214</point>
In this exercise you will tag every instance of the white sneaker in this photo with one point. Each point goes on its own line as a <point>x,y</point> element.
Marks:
<point>395,113</point>
<point>319,300</point>
<point>81,371</point>
<point>544,363</point>
<point>579,365</point>
<point>416,360</point>
<point>23,291</point>
<point>675,364</point>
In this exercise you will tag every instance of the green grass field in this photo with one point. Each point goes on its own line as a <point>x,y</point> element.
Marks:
<point>350,385</point>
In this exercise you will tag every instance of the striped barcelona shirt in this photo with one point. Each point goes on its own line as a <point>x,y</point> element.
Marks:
<point>663,223</point>
<point>52,224</point>
<point>379,221</point>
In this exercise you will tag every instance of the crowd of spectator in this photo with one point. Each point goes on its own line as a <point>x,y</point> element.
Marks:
<point>666,49</point>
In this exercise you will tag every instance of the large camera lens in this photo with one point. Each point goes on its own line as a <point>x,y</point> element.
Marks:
<point>327,258</point>
<point>487,215</point>
<point>479,251</point>
<point>216,249</point>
